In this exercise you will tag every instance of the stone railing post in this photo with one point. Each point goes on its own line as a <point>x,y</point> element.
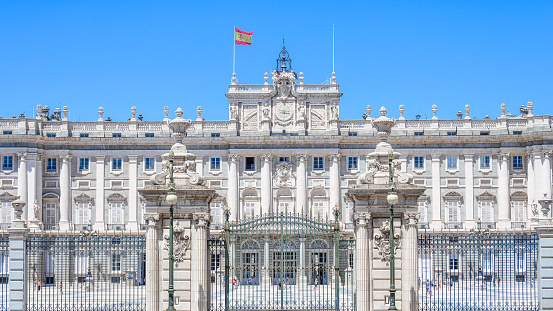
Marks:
<point>545,267</point>
<point>18,266</point>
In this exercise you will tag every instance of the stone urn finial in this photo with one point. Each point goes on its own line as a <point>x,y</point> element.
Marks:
<point>100,113</point>
<point>384,124</point>
<point>179,125</point>
<point>18,206</point>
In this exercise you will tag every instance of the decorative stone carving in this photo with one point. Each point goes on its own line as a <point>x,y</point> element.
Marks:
<point>284,84</point>
<point>434,111</point>
<point>503,110</point>
<point>266,113</point>
<point>100,113</point>
<point>181,242</point>
<point>382,241</point>
<point>151,219</point>
<point>283,175</point>
<point>467,111</point>
<point>411,219</point>
<point>301,112</point>
<point>166,112</point>
<point>233,110</point>
<point>179,125</point>
<point>36,209</point>
<point>133,113</point>
<point>334,114</point>
<point>202,220</point>
<point>199,112</point>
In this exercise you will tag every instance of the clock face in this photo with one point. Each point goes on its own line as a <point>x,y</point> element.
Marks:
<point>283,112</point>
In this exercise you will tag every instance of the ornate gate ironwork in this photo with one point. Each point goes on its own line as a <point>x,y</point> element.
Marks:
<point>478,270</point>
<point>283,261</point>
<point>86,271</point>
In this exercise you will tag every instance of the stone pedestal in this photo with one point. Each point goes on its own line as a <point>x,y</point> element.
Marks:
<point>545,270</point>
<point>18,266</point>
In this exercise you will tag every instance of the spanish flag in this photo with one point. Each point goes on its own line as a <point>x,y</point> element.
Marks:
<point>242,37</point>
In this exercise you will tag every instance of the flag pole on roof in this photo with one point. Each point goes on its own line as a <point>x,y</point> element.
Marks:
<point>242,38</point>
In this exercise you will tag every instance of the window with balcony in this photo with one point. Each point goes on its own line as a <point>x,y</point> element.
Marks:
<point>50,215</point>
<point>116,213</point>
<point>249,209</point>
<point>7,163</point>
<point>83,213</point>
<point>82,265</point>
<point>486,207</point>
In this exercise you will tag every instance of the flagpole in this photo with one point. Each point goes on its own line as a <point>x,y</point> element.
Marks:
<point>233,49</point>
<point>332,47</point>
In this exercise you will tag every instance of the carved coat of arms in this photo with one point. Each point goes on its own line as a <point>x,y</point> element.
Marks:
<point>382,241</point>
<point>283,175</point>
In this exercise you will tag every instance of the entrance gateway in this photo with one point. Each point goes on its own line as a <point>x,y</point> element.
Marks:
<point>282,261</point>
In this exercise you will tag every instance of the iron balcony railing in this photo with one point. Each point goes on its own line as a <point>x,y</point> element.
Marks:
<point>116,227</point>
<point>453,225</point>
<point>486,225</point>
<point>422,225</point>
<point>50,227</point>
<point>518,224</point>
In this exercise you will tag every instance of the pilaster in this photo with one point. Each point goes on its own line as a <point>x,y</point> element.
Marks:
<point>471,214</point>
<point>153,288</point>
<point>133,193</point>
<point>22,179</point>
<point>65,192</point>
<point>266,184</point>
<point>409,259</point>
<point>99,201</point>
<point>436,195</point>
<point>363,260</point>
<point>233,186</point>
<point>301,184</point>
<point>503,191</point>
<point>335,188</point>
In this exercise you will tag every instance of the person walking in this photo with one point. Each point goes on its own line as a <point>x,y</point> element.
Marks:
<point>39,284</point>
<point>61,287</point>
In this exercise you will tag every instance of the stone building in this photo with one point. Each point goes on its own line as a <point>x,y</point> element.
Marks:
<point>283,148</point>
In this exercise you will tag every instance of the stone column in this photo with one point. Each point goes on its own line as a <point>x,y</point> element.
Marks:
<point>301,184</point>
<point>22,180</point>
<point>436,195</point>
<point>266,274</point>
<point>99,200</point>
<point>266,197</point>
<point>503,191</point>
<point>301,265</point>
<point>233,186</point>
<point>18,266</point>
<point>133,193</point>
<point>153,289</point>
<point>470,214</point>
<point>545,267</point>
<point>37,182</point>
<point>32,161</point>
<point>334,183</point>
<point>530,186</point>
<point>546,174</point>
<point>409,266</point>
<point>65,192</point>
<point>200,164</point>
<point>363,264</point>
<point>200,263</point>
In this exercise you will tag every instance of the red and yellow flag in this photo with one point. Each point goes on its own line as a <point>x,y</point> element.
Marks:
<point>242,37</point>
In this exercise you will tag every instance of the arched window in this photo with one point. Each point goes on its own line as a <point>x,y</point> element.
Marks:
<point>250,262</point>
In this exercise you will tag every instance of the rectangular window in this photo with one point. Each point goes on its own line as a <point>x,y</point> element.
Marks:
<point>352,134</point>
<point>451,163</point>
<point>83,135</point>
<point>486,211</point>
<point>149,135</point>
<point>249,209</point>
<point>84,164</point>
<point>215,134</point>
<point>284,159</point>
<point>116,213</point>
<point>453,261</point>
<point>51,135</point>
<point>487,262</point>
<point>517,163</point>
<point>149,164</point>
<point>215,261</point>
<point>423,212</point>
<point>82,264</point>
<point>318,209</point>
<point>520,258</point>
<point>453,211</point>
<point>7,163</point>
<point>49,263</point>
<point>50,215</point>
<point>116,135</point>
<point>318,164</point>
<point>419,162</point>
<point>419,133</point>
<point>6,213</point>
<point>8,132</point>
<point>485,162</point>
<point>116,164</point>
<point>115,262</point>
<point>216,213</point>
<point>451,133</point>
<point>283,207</point>
<point>518,211</point>
<point>250,164</point>
<point>215,164</point>
<point>83,213</point>
<point>51,165</point>
<point>352,163</point>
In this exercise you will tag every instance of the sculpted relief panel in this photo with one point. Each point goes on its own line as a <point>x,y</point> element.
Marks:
<point>250,117</point>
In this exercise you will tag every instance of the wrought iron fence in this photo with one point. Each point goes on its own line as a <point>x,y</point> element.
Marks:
<point>479,270</point>
<point>4,272</point>
<point>282,261</point>
<point>86,271</point>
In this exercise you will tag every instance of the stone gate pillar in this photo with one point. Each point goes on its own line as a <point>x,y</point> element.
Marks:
<point>409,269</point>
<point>18,260</point>
<point>200,262</point>
<point>545,264</point>
<point>363,231</point>
<point>153,289</point>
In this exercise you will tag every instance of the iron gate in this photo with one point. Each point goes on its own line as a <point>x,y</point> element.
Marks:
<point>283,261</point>
<point>86,271</point>
<point>478,270</point>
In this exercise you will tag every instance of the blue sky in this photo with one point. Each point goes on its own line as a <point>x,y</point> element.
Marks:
<point>119,54</point>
